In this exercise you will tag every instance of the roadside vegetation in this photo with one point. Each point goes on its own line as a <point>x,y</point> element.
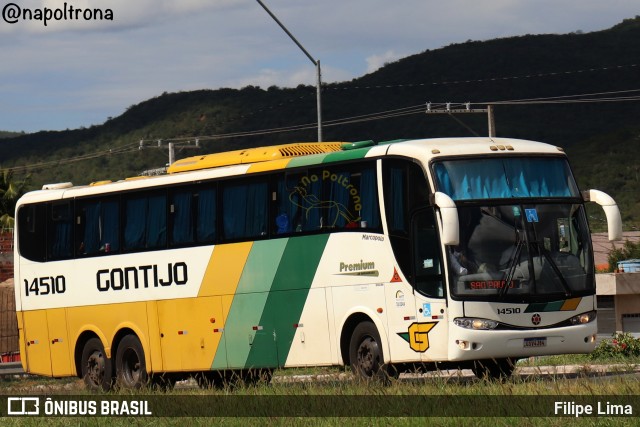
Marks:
<point>319,387</point>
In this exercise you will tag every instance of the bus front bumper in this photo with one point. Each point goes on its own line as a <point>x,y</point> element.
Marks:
<point>468,344</point>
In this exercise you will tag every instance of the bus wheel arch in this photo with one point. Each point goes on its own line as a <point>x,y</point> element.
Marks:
<point>362,348</point>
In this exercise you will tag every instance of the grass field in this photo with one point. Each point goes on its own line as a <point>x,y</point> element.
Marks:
<point>332,397</point>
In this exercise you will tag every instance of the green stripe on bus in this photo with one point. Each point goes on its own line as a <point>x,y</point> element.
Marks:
<point>346,155</point>
<point>286,301</point>
<point>249,302</point>
<point>315,159</point>
<point>545,306</point>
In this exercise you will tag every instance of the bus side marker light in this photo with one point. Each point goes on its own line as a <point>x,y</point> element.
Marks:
<point>257,328</point>
<point>218,330</point>
<point>379,310</point>
<point>212,320</point>
<point>183,332</point>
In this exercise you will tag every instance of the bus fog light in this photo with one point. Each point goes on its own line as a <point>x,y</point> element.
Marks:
<point>583,318</point>
<point>463,345</point>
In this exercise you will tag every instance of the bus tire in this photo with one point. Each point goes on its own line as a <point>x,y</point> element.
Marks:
<point>494,369</point>
<point>96,366</point>
<point>131,368</point>
<point>365,353</point>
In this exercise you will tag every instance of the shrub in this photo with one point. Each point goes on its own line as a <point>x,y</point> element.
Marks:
<point>623,344</point>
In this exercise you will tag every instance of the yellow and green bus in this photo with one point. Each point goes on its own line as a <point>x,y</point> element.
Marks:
<point>386,257</point>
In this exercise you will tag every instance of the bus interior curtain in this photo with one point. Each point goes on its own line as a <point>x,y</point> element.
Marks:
<point>206,222</point>
<point>182,218</point>
<point>110,225</point>
<point>91,242</point>
<point>498,179</point>
<point>156,227</point>
<point>369,199</point>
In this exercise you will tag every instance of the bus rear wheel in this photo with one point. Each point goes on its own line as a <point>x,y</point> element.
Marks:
<point>96,366</point>
<point>131,368</point>
<point>365,353</point>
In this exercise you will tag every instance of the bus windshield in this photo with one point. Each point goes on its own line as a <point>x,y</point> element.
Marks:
<point>522,251</point>
<point>523,233</point>
<point>505,178</point>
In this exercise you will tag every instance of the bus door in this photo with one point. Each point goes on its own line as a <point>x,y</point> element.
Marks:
<point>428,334</point>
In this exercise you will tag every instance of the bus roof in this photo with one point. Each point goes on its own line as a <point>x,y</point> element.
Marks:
<point>277,157</point>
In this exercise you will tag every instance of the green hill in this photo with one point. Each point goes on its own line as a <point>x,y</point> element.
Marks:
<point>601,138</point>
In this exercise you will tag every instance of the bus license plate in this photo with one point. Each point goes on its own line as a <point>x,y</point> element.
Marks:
<point>535,342</point>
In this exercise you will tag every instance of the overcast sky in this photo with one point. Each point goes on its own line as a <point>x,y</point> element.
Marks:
<point>80,71</point>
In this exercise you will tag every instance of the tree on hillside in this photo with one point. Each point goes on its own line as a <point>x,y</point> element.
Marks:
<point>10,192</point>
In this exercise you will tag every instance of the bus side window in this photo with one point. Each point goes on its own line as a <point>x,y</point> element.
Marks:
<point>31,226</point>
<point>97,227</point>
<point>60,231</point>
<point>426,255</point>
<point>405,190</point>
<point>193,215</point>
<point>245,209</point>
<point>145,222</point>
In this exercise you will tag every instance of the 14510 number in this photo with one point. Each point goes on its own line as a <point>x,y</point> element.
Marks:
<point>45,286</point>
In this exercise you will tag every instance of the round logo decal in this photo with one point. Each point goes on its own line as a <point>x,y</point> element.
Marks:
<point>535,319</point>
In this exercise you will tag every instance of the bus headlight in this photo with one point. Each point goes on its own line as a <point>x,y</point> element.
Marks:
<point>583,318</point>
<point>474,323</point>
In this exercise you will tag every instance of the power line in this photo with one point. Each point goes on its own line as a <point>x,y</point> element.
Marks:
<point>380,115</point>
<point>483,80</point>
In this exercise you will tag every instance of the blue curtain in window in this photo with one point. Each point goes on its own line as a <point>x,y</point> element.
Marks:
<point>235,211</point>
<point>245,210</point>
<point>157,222</point>
<point>134,231</point>
<point>369,198</point>
<point>339,212</point>
<point>182,218</point>
<point>62,244</point>
<point>504,178</point>
<point>62,247</point>
<point>206,222</point>
<point>288,217</point>
<point>257,207</point>
<point>110,226</point>
<point>91,243</point>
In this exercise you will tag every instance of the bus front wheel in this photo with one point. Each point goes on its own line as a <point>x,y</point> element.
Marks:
<point>96,366</point>
<point>131,368</point>
<point>365,353</point>
<point>494,369</point>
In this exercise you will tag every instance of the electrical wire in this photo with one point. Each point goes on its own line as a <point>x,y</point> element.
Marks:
<point>595,97</point>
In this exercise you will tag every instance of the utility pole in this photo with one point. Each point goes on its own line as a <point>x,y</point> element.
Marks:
<point>314,61</point>
<point>492,123</point>
<point>171,146</point>
<point>466,108</point>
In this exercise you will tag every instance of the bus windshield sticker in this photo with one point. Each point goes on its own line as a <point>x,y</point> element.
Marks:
<point>532,215</point>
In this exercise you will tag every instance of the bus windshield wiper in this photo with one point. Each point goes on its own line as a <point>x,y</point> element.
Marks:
<point>512,265</point>
<point>544,252</point>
